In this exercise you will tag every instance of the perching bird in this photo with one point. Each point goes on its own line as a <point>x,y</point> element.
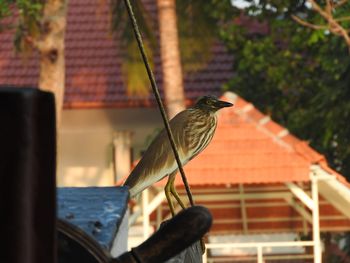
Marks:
<point>193,129</point>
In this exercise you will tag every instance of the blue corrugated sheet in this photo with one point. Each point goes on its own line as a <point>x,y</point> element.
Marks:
<point>96,210</point>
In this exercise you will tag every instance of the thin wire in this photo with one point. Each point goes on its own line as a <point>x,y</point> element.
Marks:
<point>158,99</point>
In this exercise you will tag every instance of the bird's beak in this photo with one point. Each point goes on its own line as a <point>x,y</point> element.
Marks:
<point>222,104</point>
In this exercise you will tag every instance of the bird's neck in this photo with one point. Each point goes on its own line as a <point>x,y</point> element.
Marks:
<point>204,111</point>
<point>203,115</point>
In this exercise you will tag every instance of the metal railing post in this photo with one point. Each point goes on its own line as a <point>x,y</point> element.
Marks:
<point>205,256</point>
<point>145,215</point>
<point>260,254</point>
<point>316,221</point>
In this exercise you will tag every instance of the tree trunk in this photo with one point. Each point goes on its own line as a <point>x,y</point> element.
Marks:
<point>170,57</point>
<point>51,49</point>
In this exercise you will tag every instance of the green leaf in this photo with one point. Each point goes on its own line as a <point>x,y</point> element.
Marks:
<point>298,75</point>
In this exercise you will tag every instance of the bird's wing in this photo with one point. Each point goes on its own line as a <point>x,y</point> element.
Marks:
<point>158,161</point>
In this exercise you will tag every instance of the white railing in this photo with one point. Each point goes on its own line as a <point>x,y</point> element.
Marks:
<point>259,247</point>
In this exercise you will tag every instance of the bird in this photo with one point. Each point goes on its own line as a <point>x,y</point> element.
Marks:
<point>192,129</point>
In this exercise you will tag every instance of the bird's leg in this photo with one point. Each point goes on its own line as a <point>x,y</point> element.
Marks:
<point>170,184</point>
<point>175,194</point>
<point>167,191</point>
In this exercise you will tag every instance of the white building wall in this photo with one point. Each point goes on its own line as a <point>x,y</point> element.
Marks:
<point>86,139</point>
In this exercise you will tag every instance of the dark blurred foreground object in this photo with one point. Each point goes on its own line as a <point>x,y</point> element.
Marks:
<point>74,245</point>
<point>192,254</point>
<point>27,172</point>
<point>176,235</point>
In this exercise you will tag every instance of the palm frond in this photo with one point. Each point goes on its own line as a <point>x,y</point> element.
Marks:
<point>197,30</point>
<point>133,70</point>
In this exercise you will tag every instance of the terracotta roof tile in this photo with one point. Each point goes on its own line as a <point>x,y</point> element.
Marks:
<point>304,149</point>
<point>247,150</point>
<point>240,103</point>
<point>93,62</point>
<point>273,127</point>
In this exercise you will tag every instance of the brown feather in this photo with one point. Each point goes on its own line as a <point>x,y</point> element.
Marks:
<point>190,128</point>
<point>193,130</point>
<point>159,154</point>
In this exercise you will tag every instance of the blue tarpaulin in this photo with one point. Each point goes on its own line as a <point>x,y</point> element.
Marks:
<point>98,211</point>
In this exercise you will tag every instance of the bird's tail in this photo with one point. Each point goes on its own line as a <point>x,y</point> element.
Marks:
<point>137,198</point>
<point>134,192</point>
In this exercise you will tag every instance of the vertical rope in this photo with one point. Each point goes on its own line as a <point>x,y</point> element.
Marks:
<point>157,96</point>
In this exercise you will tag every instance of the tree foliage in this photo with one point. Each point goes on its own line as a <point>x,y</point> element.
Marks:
<point>299,75</point>
<point>331,15</point>
<point>5,9</point>
<point>133,68</point>
<point>197,29</point>
<point>40,26</point>
<point>29,14</point>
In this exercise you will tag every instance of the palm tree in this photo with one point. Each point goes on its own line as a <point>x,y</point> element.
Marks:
<point>177,27</point>
<point>41,26</point>
<point>173,88</point>
<point>136,80</point>
<point>51,49</point>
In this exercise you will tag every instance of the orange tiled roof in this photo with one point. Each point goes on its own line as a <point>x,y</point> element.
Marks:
<point>249,147</point>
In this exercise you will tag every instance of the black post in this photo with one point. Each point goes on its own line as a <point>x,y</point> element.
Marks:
<point>27,174</point>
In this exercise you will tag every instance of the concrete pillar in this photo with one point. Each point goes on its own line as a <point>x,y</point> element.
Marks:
<point>122,154</point>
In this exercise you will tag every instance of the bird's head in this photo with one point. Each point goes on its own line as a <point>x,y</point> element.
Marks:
<point>211,103</point>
